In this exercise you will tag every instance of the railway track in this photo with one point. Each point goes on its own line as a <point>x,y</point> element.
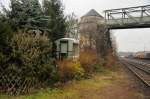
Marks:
<point>142,62</point>
<point>142,67</point>
<point>142,72</point>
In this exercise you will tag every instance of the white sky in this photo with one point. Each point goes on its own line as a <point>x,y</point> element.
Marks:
<point>127,39</point>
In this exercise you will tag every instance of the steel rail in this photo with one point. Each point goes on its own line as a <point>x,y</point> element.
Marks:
<point>135,73</point>
<point>139,67</point>
<point>147,65</point>
<point>142,62</point>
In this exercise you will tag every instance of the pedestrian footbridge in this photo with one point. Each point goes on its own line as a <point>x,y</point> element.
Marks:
<point>132,17</point>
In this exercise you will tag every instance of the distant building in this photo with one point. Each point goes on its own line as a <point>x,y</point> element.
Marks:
<point>89,26</point>
<point>93,32</point>
<point>89,21</point>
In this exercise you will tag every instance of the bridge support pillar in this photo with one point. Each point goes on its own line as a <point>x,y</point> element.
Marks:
<point>103,42</point>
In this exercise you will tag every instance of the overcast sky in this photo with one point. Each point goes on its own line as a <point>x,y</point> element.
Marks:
<point>127,39</point>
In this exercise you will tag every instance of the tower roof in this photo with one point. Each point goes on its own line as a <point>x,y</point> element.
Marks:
<point>92,12</point>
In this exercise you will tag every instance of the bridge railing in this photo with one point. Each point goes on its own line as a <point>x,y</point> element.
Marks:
<point>128,16</point>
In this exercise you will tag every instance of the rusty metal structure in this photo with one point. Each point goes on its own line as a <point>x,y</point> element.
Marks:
<point>132,17</point>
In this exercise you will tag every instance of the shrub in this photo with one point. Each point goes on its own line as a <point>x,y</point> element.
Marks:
<point>87,59</point>
<point>110,60</point>
<point>68,69</point>
<point>5,33</point>
<point>98,67</point>
<point>27,64</point>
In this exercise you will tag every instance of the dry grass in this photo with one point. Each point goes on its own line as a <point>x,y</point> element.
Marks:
<point>110,60</point>
<point>68,69</point>
<point>87,59</point>
<point>106,85</point>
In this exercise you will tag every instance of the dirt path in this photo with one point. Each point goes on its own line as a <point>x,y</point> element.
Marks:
<point>108,85</point>
<point>116,90</point>
<point>112,86</point>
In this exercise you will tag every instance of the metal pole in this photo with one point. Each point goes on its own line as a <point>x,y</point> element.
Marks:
<point>142,12</point>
